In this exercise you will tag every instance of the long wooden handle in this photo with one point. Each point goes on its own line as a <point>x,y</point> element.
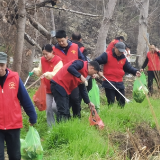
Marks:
<point>33,83</point>
<point>146,40</point>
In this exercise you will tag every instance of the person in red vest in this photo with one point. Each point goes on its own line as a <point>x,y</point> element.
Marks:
<point>13,95</point>
<point>115,66</point>
<point>113,43</point>
<point>153,62</point>
<point>69,51</point>
<point>49,65</point>
<point>70,76</point>
<point>77,39</point>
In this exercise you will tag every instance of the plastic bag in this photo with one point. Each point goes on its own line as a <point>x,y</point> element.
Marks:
<point>31,147</point>
<point>94,94</point>
<point>139,89</point>
<point>39,97</point>
<point>94,119</point>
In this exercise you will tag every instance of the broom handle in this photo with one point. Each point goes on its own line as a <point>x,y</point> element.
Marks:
<point>33,83</point>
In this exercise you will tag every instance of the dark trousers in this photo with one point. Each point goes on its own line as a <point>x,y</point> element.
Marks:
<point>62,103</point>
<point>151,76</point>
<point>74,102</point>
<point>12,139</point>
<point>89,87</point>
<point>111,94</point>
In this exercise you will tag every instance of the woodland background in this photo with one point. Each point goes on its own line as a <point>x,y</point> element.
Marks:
<point>26,26</point>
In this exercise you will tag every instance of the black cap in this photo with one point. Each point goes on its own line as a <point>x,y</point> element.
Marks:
<point>120,46</point>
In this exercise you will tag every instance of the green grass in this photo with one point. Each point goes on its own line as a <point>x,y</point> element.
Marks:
<point>76,139</point>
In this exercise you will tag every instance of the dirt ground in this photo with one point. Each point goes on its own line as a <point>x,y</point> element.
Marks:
<point>143,143</point>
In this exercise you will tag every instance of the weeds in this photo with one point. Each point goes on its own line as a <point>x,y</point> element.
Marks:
<point>76,140</point>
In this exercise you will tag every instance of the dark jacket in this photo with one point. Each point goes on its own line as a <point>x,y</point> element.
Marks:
<point>102,59</point>
<point>74,69</point>
<point>147,60</point>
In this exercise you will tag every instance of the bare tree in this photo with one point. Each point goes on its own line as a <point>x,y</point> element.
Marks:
<point>103,31</point>
<point>20,36</point>
<point>143,6</point>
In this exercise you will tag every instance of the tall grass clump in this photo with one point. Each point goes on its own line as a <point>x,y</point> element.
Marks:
<point>77,140</point>
<point>82,141</point>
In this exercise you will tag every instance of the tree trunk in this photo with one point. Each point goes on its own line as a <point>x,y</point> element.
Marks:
<point>28,58</point>
<point>103,31</point>
<point>53,28</point>
<point>143,21</point>
<point>27,61</point>
<point>20,36</point>
<point>39,27</point>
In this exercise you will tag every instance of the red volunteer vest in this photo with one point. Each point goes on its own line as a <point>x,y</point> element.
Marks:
<point>82,49</point>
<point>48,66</point>
<point>153,62</point>
<point>113,69</point>
<point>10,109</point>
<point>111,45</point>
<point>67,80</point>
<point>71,55</point>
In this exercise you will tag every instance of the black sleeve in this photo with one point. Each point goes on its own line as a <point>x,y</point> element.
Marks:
<point>145,63</point>
<point>128,68</point>
<point>84,93</point>
<point>158,53</point>
<point>74,67</point>
<point>102,59</point>
<point>85,52</point>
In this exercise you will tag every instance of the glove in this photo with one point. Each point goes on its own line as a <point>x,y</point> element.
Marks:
<point>33,70</point>
<point>86,83</point>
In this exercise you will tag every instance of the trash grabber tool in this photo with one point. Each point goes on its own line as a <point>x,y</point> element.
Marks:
<point>127,100</point>
<point>33,83</point>
<point>30,74</point>
<point>134,55</point>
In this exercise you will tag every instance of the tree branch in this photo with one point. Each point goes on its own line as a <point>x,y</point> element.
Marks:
<point>39,27</point>
<point>31,41</point>
<point>72,11</point>
<point>42,4</point>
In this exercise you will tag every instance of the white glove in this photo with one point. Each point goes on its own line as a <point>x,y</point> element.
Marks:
<point>33,70</point>
<point>86,83</point>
